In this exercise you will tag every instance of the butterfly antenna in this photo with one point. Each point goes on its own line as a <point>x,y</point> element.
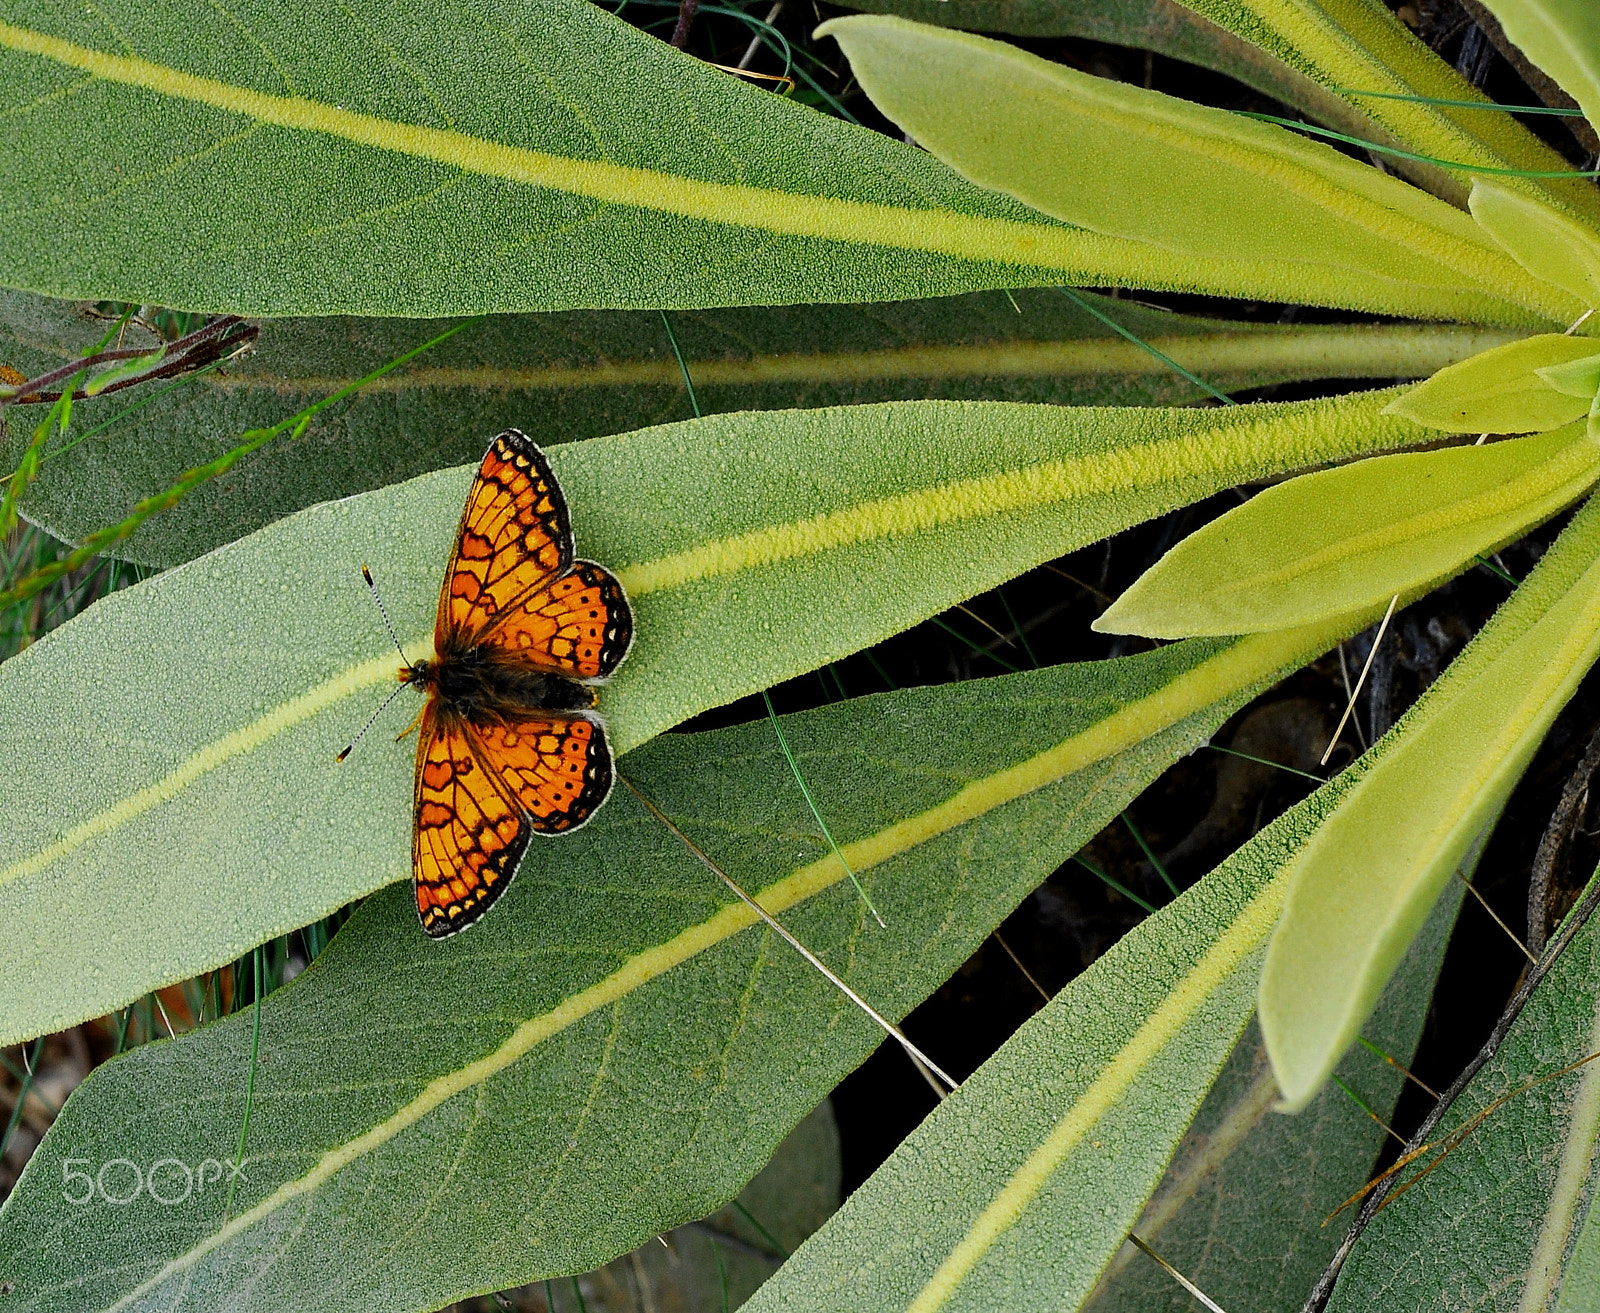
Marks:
<point>384,612</point>
<point>350,746</point>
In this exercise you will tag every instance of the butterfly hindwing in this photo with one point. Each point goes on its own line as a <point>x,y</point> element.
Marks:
<point>557,768</point>
<point>469,833</point>
<point>515,535</point>
<point>578,624</point>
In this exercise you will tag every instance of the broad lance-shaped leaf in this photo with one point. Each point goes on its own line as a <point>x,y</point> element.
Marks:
<point>1500,391</point>
<point>1364,885</point>
<point>1018,1190</point>
<point>584,374</point>
<point>213,698</point>
<point>425,159</point>
<point>1207,183</point>
<point>1506,1221</point>
<point>1353,537</point>
<point>1246,43</point>
<point>620,1044</point>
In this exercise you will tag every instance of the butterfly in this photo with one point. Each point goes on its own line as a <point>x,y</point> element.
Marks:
<point>508,744</point>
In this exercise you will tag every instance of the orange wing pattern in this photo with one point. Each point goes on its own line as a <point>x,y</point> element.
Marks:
<point>515,534</point>
<point>558,770</point>
<point>578,624</point>
<point>469,834</point>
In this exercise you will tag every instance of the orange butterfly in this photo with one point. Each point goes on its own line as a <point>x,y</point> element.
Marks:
<point>508,745</point>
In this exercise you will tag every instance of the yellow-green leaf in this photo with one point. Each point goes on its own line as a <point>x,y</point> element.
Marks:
<point>1548,243</point>
<point>1195,181</point>
<point>1500,390</point>
<point>1348,538</point>
<point>1362,887</point>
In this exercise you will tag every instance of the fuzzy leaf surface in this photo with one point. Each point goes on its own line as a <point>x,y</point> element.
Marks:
<point>621,1044</point>
<point>422,159</point>
<point>1362,889</point>
<point>213,698</point>
<point>1547,243</point>
<point>584,374</point>
<point>1505,1222</point>
<point>1241,52</point>
<point>1342,539</point>
<point>1350,46</point>
<point>1230,187</point>
<point>1240,1209</point>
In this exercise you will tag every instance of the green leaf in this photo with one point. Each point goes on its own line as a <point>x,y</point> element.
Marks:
<point>1506,1220</point>
<point>1500,391</point>
<point>425,159</point>
<point>621,1044</point>
<point>584,374</point>
<point>1353,537</point>
<point>1563,38</point>
<point>1208,183</point>
<point>213,698</point>
<point>1240,1209</point>
<point>691,1266</point>
<point>1363,886</point>
<point>1017,1190</point>
<point>1544,241</point>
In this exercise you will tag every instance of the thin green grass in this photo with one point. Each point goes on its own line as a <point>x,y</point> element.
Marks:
<point>1303,774</point>
<point>30,1066</point>
<point>976,647</point>
<point>683,366</point>
<point>250,1084</point>
<point>765,1234</point>
<point>95,543</point>
<point>1397,153</point>
<point>1490,105</point>
<point>805,792</point>
<point>1111,882</point>
<point>1149,853</point>
<point>1088,306</point>
<point>1016,627</point>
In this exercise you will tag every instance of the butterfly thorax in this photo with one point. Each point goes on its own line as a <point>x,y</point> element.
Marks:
<point>481,684</point>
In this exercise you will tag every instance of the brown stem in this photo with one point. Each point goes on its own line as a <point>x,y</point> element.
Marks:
<point>686,12</point>
<point>1552,846</point>
<point>197,348</point>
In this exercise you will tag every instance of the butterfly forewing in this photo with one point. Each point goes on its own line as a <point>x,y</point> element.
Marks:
<point>515,535</point>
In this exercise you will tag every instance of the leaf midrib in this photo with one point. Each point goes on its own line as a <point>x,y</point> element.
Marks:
<point>1238,450</point>
<point>939,231</point>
